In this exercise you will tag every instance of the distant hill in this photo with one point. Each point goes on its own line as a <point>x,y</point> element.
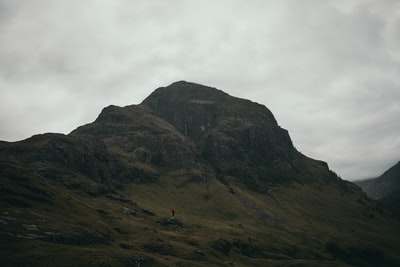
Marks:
<point>244,196</point>
<point>385,188</point>
<point>383,185</point>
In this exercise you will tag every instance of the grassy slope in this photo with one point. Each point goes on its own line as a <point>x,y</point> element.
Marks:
<point>220,225</point>
<point>290,222</point>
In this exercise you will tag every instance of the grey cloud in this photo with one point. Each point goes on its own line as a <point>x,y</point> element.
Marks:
<point>327,70</point>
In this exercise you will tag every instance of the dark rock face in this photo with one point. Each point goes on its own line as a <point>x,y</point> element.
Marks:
<point>138,137</point>
<point>87,156</point>
<point>196,110</point>
<point>81,163</point>
<point>237,137</point>
<point>193,109</point>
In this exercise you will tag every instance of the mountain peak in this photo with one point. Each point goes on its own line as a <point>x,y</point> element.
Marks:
<point>186,124</point>
<point>183,91</point>
<point>203,98</point>
<point>232,134</point>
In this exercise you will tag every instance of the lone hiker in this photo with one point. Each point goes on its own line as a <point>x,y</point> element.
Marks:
<point>173,212</point>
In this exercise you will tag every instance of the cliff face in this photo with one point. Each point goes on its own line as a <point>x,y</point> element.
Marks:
<point>139,138</point>
<point>237,137</point>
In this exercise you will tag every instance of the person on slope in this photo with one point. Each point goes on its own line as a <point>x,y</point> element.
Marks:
<point>173,213</point>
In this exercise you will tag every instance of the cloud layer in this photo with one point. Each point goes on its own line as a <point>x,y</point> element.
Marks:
<point>328,70</point>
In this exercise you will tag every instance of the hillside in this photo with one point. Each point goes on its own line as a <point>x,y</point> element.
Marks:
<point>385,188</point>
<point>383,185</point>
<point>244,196</point>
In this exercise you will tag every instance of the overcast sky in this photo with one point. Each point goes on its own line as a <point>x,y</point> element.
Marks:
<point>328,70</point>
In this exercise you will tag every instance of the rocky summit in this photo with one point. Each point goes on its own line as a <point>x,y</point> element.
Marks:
<point>189,125</point>
<point>243,195</point>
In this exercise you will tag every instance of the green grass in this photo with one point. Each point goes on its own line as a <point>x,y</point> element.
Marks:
<point>221,225</point>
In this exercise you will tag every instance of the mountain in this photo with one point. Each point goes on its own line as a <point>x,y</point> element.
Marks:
<point>186,124</point>
<point>244,196</point>
<point>383,185</point>
<point>385,188</point>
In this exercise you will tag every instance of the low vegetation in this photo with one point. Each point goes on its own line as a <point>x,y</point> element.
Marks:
<point>215,224</point>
